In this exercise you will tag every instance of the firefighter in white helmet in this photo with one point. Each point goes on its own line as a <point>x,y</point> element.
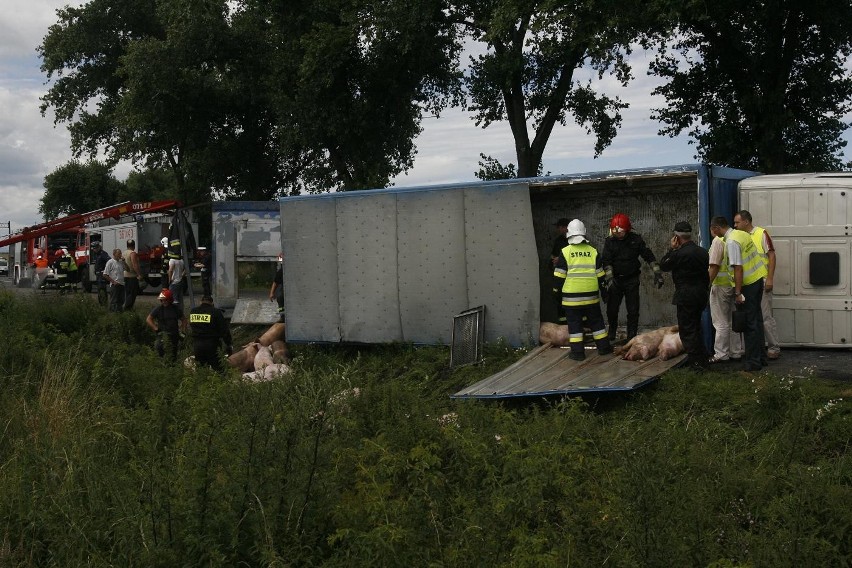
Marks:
<point>578,275</point>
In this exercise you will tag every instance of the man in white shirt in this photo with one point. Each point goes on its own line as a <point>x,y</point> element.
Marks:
<point>176,273</point>
<point>114,274</point>
<point>727,345</point>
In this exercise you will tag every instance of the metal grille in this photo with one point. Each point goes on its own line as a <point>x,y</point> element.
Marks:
<point>468,337</point>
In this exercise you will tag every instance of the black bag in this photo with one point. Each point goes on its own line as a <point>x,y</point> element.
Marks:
<point>738,319</point>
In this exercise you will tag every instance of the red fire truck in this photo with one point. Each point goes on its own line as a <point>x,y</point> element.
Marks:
<point>34,248</point>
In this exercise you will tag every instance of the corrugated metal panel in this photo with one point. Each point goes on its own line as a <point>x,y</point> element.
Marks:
<point>548,371</point>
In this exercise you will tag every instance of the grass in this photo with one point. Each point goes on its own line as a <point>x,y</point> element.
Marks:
<point>110,457</point>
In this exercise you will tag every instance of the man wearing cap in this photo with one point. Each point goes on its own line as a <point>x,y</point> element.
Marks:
<point>209,330</point>
<point>688,264</point>
<point>578,274</point>
<point>132,275</point>
<point>167,321</point>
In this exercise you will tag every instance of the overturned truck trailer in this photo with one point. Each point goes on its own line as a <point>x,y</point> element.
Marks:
<point>398,264</point>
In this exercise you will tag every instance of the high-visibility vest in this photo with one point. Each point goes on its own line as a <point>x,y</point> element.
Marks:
<point>757,237</point>
<point>724,276</point>
<point>581,275</point>
<point>751,258</point>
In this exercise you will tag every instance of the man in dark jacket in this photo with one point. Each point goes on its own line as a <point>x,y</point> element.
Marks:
<point>209,330</point>
<point>620,257</point>
<point>688,264</point>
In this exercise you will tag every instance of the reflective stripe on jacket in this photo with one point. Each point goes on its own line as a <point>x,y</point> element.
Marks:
<point>757,237</point>
<point>724,277</point>
<point>751,258</point>
<point>580,270</point>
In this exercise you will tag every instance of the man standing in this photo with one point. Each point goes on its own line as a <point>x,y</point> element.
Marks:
<point>727,345</point>
<point>132,275</point>
<point>746,264</point>
<point>203,263</point>
<point>578,274</point>
<point>276,291</point>
<point>620,257</point>
<point>99,258</point>
<point>688,264</point>
<point>766,252</point>
<point>114,274</point>
<point>175,276</point>
<point>167,321</point>
<point>209,330</point>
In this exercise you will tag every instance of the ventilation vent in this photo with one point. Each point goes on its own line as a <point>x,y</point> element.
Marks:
<point>468,337</point>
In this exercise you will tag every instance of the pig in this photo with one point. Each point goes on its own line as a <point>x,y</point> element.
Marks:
<point>279,352</point>
<point>263,358</point>
<point>275,370</point>
<point>244,358</point>
<point>671,345</point>
<point>644,346</point>
<point>277,331</point>
<point>555,334</point>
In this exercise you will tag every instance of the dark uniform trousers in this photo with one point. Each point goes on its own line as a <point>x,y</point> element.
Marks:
<point>627,288</point>
<point>206,351</point>
<point>586,316</point>
<point>690,305</point>
<point>754,357</point>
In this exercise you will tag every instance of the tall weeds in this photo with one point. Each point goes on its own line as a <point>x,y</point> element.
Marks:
<point>109,457</point>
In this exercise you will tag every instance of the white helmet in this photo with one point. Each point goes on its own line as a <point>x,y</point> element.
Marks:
<point>165,242</point>
<point>576,232</point>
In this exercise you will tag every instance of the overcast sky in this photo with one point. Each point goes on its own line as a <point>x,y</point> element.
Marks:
<point>448,149</point>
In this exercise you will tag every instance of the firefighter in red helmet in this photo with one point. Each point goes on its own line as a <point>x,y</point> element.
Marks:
<point>168,322</point>
<point>620,256</point>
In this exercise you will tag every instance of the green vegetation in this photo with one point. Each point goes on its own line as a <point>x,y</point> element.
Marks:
<point>359,458</point>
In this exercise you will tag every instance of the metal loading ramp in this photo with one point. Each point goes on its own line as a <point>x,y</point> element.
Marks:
<point>547,370</point>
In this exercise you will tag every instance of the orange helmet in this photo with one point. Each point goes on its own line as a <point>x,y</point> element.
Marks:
<point>165,294</point>
<point>620,223</point>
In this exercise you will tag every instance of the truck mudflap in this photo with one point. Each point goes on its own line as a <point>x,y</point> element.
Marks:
<point>547,371</point>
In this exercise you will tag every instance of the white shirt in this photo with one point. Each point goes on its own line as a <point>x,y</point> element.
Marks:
<point>176,268</point>
<point>115,270</point>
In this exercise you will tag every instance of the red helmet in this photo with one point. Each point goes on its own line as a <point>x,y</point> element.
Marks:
<point>620,223</point>
<point>165,294</point>
<point>58,253</point>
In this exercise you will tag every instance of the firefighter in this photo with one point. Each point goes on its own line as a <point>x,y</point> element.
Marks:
<point>620,257</point>
<point>168,322</point>
<point>203,263</point>
<point>62,265</point>
<point>579,274</point>
<point>209,331</point>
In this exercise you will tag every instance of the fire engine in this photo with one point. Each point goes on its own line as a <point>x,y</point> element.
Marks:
<point>33,248</point>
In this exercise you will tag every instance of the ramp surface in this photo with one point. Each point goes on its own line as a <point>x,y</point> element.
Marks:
<point>547,370</point>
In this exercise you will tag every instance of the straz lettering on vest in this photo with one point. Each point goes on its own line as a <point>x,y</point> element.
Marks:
<point>199,318</point>
<point>580,253</point>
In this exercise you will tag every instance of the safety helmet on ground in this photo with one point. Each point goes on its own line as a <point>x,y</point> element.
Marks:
<point>620,223</point>
<point>165,294</point>
<point>165,242</point>
<point>576,232</point>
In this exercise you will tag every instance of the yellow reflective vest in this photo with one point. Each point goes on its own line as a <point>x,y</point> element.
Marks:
<point>757,237</point>
<point>725,276</point>
<point>579,269</point>
<point>751,258</point>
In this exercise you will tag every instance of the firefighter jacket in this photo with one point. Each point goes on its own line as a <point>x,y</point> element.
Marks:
<point>623,255</point>
<point>577,273</point>
<point>207,322</point>
<point>65,265</point>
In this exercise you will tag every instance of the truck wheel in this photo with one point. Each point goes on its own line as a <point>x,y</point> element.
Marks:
<point>154,282</point>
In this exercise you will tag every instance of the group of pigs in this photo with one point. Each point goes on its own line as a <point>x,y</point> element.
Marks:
<point>664,343</point>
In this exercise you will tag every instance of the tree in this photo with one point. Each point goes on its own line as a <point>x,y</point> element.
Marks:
<point>78,188</point>
<point>527,74</point>
<point>250,99</point>
<point>759,84</point>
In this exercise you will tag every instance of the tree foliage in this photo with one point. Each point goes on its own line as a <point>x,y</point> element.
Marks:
<point>759,84</point>
<point>78,188</point>
<point>251,99</point>
<point>538,67</point>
